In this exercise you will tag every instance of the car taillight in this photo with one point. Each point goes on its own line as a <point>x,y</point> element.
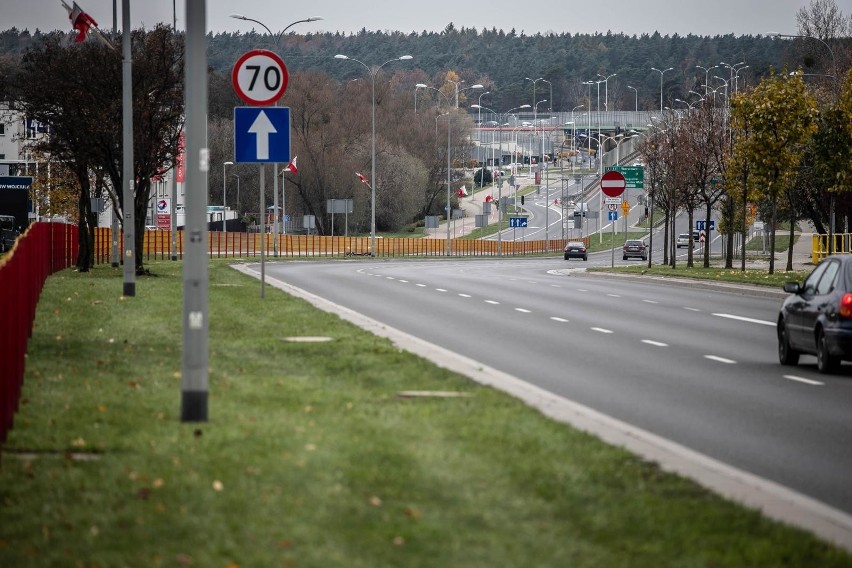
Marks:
<point>846,306</point>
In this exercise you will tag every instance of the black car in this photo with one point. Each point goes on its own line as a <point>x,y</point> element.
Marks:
<point>576,249</point>
<point>634,248</point>
<point>817,318</point>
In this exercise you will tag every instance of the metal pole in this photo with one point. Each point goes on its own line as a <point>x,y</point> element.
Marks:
<point>449,210</point>
<point>128,173</point>
<point>194,389</point>
<point>262,230</point>
<point>173,222</point>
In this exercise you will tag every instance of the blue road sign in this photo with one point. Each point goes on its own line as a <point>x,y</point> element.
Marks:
<point>700,225</point>
<point>613,215</point>
<point>261,134</point>
<point>517,222</point>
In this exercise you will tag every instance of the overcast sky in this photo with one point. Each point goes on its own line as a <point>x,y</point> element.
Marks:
<point>698,17</point>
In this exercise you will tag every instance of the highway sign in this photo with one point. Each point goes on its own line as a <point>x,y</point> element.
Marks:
<point>612,206</point>
<point>612,183</point>
<point>634,176</point>
<point>517,222</point>
<point>700,225</point>
<point>259,77</point>
<point>262,134</point>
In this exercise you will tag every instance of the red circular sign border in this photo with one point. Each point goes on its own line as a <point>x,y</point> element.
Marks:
<point>285,76</point>
<point>613,175</point>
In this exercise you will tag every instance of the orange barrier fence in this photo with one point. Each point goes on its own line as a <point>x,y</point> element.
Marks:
<point>42,250</point>
<point>158,245</point>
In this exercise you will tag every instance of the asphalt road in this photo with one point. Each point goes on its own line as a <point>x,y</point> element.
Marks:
<point>694,366</point>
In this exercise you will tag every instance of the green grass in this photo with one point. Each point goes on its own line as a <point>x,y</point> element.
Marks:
<point>713,273</point>
<point>311,459</point>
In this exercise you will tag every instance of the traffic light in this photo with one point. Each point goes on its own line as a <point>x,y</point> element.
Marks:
<point>522,200</point>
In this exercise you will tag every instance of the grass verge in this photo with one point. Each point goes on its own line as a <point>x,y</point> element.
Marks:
<point>311,459</point>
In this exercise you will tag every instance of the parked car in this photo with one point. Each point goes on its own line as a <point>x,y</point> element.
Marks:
<point>683,240</point>
<point>817,318</point>
<point>576,249</point>
<point>8,232</point>
<point>635,248</point>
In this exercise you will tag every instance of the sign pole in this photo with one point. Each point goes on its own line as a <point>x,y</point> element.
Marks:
<point>262,229</point>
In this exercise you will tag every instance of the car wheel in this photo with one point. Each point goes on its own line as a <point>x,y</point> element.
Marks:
<point>786,354</point>
<point>826,362</point>
<point>644,258</point>
<point>585,258</point>
<point>624,257</point>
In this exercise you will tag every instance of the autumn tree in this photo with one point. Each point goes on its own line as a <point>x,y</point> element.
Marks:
<point>781,117</point>
<point>55,85</point>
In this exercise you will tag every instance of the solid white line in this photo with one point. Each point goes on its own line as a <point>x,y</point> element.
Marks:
<point>720,359</point>
<point>804,380</point>
<point>554,318</point>
<point>655,343</point>
<point>522,310</point>
<point>602,330</point>
<point>745,319</point>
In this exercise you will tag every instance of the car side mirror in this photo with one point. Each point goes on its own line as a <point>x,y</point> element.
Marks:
<point>792,287</point>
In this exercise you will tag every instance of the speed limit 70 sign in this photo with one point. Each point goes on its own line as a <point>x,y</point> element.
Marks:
<point>260,77</point>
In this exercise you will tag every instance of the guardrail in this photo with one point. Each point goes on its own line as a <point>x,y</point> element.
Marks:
<point>42,250</point>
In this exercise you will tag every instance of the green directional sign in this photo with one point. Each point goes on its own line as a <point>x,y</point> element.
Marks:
<point>633,175</point>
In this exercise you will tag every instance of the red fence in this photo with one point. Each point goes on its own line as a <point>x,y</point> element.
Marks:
<point>42,250</point>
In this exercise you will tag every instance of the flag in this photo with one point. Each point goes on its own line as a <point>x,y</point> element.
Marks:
<point>291,167</point>
<point>80,20</point>
<point>362,178</point>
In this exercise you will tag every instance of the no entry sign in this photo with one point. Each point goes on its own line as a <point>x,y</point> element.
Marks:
<point>613,183</point>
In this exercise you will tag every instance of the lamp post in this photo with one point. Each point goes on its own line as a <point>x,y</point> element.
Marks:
<point>479,149</point>
<point>456,83</point>
<point>663,72</point>
<point>238,194</point>
<point>373,180</point>
<point>636,97</point>
<point>535,128</point>
<point>449,164</point>
<point>706,75</point>
<point>275,165</point>
<point>606,89</point>
<point>224,199</point>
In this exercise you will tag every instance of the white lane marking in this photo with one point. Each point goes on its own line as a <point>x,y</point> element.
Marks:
<point>720,359</point>
<point>582,290</point>
<point>614,295</point>
<point>687,308</point>
<point>602,330</point>
<point>390,277</point>
<point>465,295</point>
<point>803,380</point>
<point>404,281</point>
<point>440,290</point>
<point>421,285</point>
<point>655,343</point>
<point>745,319</point>
<point>523,311</point>
<point>555,286</point>
<point>650,302</point>
<point>492,302</point>
<point>554,318</point>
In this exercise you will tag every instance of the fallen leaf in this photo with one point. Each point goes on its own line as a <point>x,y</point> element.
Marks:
<point>399,541</point>
<point>375,501</point>
<point>412,512</point>
<point>217,485</point>
<point>158,483</point>
<point>79,443</point>
<point>101,408</point>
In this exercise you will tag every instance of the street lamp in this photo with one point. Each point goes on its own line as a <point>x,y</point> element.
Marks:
<point>606,89</point>
<point>706,75</point>
<point>373,179</point>
<point>456,83</point>
<point>661,83</point>
<point>479,149</point>
<point>224,194</point>
<point>636,96</point>
<point>275,165</point>
<point>238,194</point>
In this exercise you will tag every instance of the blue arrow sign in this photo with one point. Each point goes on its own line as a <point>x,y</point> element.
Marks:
<point>613,215</point>
<point>517,222</point>
<point>262,134</point>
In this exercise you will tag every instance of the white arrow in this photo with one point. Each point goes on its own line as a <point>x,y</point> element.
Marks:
<point>262,127</point>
